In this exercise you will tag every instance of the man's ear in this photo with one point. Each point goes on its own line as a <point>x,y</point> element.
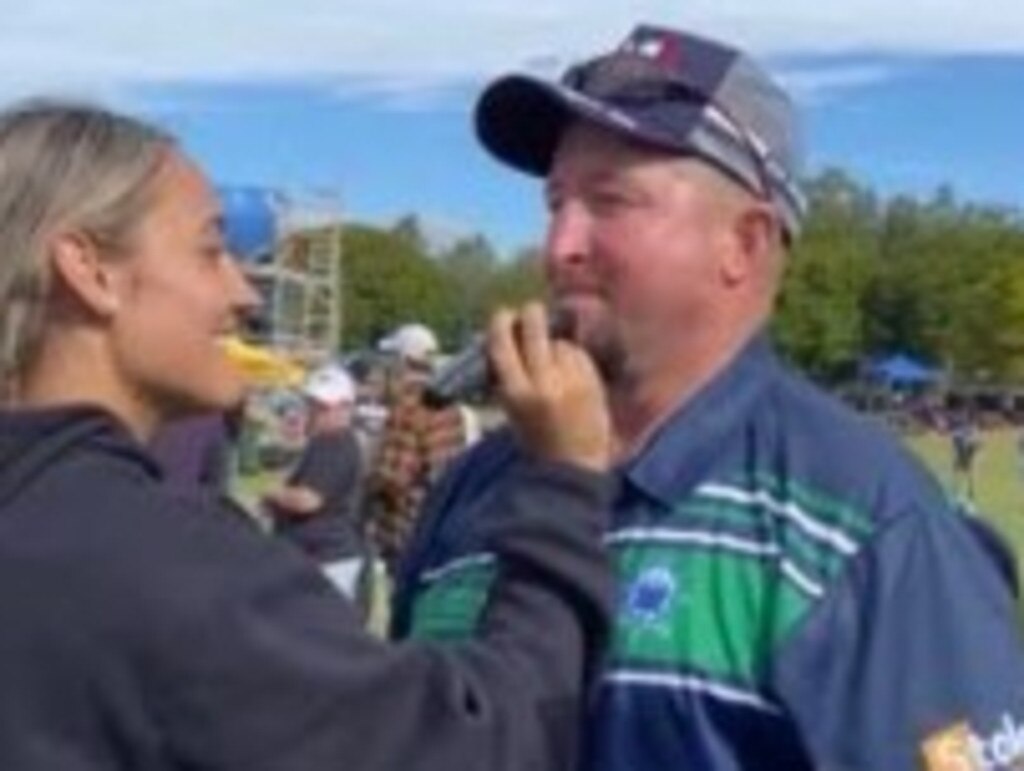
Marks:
<point>752,242</point>
<point>82,273</point>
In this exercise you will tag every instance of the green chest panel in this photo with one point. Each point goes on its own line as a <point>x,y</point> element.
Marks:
<point>689,607</point>
<point>450,606</point>
<point>679,607</point>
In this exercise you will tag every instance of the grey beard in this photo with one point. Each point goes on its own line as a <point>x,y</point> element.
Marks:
<point>610,358</point>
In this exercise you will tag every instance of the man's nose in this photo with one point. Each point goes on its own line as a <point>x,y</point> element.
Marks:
<point>568,236</point>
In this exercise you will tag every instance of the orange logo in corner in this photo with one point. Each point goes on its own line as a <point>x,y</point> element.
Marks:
<point>949,750</point>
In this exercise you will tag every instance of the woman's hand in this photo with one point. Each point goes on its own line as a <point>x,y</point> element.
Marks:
<point>550,389</point>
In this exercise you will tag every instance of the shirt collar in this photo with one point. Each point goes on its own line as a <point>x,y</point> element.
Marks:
<point>682,450</point>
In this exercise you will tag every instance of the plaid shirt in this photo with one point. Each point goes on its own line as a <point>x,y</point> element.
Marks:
<point>416,445</point>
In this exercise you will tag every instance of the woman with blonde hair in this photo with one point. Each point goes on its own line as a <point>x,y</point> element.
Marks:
<point>144,629</point>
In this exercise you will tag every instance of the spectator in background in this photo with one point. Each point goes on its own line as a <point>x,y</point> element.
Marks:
<point>416,444</point>
<point>965,443</point>
<point>318,508</point>
<point>371,411</point>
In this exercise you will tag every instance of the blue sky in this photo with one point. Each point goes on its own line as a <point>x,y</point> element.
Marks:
<point>371,101</point>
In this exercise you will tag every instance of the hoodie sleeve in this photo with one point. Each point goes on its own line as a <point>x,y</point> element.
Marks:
<point>914,661</point>
<point>279,675</point>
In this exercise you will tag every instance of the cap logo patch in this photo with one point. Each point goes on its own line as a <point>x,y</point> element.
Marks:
<point>664,49</point>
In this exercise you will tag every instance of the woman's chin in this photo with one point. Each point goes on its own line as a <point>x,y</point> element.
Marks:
<point>221,395</point>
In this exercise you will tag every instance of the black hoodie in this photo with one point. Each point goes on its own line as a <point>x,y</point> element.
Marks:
<point>144,631</point>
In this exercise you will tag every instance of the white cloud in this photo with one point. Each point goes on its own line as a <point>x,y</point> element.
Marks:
<point>403,46</point>
<point>815,83</point>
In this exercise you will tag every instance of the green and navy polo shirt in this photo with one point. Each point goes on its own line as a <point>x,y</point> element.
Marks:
<point>795,592</point>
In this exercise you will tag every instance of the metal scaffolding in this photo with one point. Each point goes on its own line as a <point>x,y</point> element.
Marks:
<point>300,282</point>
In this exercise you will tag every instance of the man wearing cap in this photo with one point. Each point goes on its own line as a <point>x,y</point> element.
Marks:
<point>318,508</point>
<point>794,590</point>
<point>415,445</point>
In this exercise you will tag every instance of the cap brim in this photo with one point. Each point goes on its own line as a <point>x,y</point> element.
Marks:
<point>520,120</point>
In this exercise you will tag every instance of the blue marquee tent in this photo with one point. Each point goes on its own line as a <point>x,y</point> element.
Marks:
<point>902,370</point>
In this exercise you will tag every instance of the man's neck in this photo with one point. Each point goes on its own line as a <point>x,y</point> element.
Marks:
<point>641,403</point>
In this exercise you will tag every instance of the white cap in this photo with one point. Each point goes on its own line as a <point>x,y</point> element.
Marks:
<point>330,385</point>
<point>411,341</point>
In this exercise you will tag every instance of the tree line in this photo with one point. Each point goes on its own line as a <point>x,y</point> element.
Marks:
<point>935,278</point>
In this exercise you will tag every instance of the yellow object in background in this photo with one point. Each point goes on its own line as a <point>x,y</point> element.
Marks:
<point>262,366</point>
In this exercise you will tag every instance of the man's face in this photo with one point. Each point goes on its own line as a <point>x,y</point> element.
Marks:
<point>632,245</point>
<point>180,293</point>
<point>325,417</point>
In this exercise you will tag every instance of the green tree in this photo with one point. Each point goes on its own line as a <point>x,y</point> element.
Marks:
<point>947,286</point>
<point>387,282</point>
<point>820,322</point>
<point>470,267</point>
<point>410,230</point>
<point>518,280</point>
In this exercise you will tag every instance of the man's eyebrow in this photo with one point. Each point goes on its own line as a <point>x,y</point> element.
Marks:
<point>600,177</point>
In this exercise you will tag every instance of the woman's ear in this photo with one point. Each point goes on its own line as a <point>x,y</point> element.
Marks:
<point>84,275</point>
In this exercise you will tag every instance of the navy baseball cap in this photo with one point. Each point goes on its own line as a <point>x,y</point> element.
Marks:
<point>666,89</point>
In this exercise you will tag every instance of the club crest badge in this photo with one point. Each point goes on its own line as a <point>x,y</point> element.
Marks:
<point>649,597</point>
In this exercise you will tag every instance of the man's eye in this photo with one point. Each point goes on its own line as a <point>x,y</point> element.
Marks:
<point>609,199</point>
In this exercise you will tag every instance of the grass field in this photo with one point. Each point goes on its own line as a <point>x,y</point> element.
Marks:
<point>998,483</point>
